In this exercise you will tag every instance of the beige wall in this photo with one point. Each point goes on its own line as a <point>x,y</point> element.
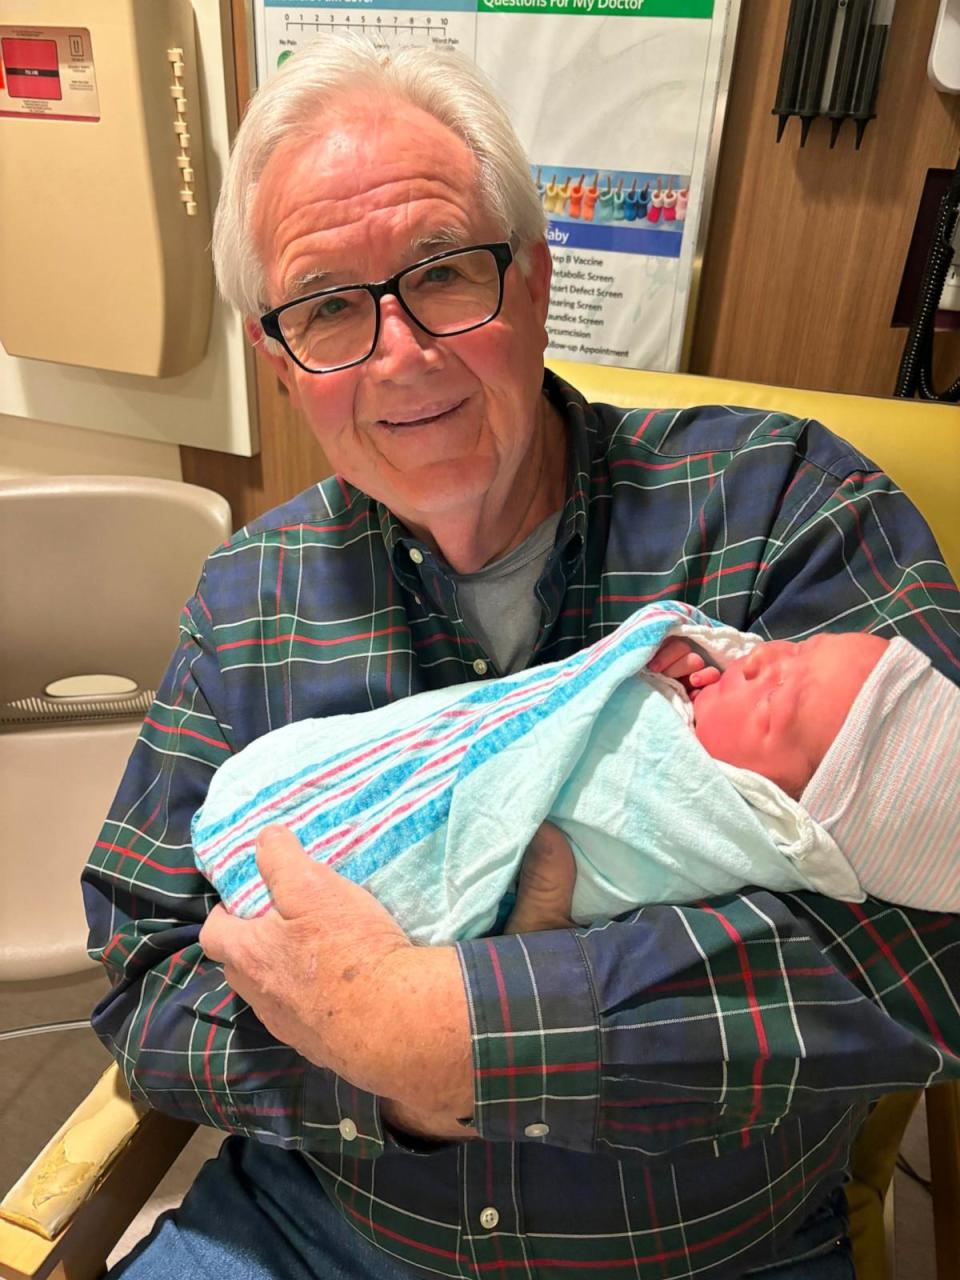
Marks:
<point>29,447</point>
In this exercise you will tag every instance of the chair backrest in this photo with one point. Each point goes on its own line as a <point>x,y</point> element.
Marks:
<point>917,444</point>
<point>95,571</point>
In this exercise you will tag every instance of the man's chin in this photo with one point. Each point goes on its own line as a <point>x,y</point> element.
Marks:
<point>442,486</point>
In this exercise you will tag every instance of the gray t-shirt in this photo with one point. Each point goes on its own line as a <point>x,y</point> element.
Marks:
<point>498,602</point>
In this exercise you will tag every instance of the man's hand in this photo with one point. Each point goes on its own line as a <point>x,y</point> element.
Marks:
<point>545,888</point>
<point>678,659</point>
<point>329,971</point>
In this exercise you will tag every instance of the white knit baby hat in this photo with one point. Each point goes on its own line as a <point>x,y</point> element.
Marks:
<point>888,789</point>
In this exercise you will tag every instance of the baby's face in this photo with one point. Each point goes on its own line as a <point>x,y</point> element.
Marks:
<point>778,710</point>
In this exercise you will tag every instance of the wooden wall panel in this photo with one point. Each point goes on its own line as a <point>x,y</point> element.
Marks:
<point>806,245</point>
<point>804,257</point>
<point>290,458</point>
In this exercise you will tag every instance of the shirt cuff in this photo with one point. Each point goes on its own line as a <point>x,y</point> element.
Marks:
<point>338,1116</point>
<point>536,1039</point>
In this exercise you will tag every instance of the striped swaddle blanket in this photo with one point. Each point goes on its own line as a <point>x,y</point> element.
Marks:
<point>431,801</point>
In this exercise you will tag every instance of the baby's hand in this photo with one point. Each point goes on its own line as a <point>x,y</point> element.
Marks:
<point>678,659</point>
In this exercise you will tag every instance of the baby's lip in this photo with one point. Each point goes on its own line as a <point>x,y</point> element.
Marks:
<point>717,683</point>
<point>695,696</point>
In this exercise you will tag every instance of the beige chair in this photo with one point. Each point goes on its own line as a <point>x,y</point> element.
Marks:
<point>95,570</point>
<point>92,1177</point>
<point>94,573</point>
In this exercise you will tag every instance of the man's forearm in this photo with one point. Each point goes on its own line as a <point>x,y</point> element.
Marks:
<point>428,1068</point>
<point>544,896</point>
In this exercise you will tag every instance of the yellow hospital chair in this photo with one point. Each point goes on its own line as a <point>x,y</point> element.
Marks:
<point>91,1179</point>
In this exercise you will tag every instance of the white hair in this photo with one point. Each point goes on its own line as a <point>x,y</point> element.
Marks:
<point>446,85</point>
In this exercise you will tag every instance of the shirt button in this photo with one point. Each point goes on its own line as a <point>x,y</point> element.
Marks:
<point>538,1130</point>
<point>416,555</point>
<point>348,1130</point>
<point>489,1217</point>
<point>480,667</point>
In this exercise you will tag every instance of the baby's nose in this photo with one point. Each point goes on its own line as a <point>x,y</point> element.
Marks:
<point>769,657</point>
<point>752,664</point>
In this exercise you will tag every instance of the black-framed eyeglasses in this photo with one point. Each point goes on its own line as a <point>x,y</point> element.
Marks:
<point>445,294</point>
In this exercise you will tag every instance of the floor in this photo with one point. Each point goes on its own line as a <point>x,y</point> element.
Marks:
<point>202,1146</point>
<point>43,1077</point>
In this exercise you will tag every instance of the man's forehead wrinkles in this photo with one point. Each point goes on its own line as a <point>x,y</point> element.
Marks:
<point>312,249</point>
<point>402,190</point>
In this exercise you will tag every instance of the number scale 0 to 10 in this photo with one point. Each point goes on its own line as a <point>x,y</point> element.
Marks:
<point>393,23</point>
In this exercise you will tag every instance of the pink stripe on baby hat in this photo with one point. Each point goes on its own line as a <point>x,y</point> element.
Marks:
<point>888,789</point>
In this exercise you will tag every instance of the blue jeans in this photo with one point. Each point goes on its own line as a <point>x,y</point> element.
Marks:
<point>256,1213</point>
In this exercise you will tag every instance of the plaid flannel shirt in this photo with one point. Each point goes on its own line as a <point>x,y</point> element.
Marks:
<point>664,1095</point>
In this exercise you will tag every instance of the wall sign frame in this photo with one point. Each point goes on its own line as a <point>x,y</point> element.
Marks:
<point>620,106</point>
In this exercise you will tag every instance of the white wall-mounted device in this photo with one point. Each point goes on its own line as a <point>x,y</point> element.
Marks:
<point>943,65</point>
<point>104,205</point>
<point>116,118</point>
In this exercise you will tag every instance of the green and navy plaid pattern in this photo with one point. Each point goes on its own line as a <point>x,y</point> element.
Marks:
<point>664,1095</point>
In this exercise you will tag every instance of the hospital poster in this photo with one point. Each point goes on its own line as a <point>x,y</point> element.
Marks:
<point>616,103</point>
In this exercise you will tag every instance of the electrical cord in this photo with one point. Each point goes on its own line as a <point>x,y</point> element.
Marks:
<point>906,1168</point>
<point>44,1028</point>
<point>915,376</point>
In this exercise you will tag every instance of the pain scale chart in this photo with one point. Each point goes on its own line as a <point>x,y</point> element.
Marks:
<point>284,28</point>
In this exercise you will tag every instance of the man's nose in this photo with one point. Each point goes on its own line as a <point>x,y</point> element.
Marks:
<point>403,348</point>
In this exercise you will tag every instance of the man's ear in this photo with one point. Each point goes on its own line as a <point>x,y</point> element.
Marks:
<point>277,360</point>
<point>538,278</point>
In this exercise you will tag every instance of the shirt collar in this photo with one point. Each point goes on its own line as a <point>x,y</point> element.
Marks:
<point>577,417</point>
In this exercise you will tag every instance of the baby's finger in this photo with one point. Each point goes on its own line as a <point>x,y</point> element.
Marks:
<point>664,656</point>
<point>683,667</point>
<point>671,658</point>
<point>708,676</point>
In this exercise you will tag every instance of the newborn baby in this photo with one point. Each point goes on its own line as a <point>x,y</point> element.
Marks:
<point>862,732</point>
<point>431,801</point>
<point>778,710</point>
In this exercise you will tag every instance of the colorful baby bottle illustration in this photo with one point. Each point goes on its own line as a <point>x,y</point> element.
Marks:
<point>605,202</point>
<point>552,199</point>
<point>618,202</point>
<point>541,189</point>
<point>656,203</point>
<point>669,202</point>
<point>631,202</point>
<point>590,196</point>
<point>643,201</point>
<point>576,197</point>
<point>682,197</point>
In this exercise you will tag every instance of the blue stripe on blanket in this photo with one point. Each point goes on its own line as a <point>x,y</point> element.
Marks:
<point>397,783</point>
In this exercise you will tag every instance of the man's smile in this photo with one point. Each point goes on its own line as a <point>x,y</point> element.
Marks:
<point>422,416</point>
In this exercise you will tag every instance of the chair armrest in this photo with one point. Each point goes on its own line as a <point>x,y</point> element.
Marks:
<point>872,1162</point>
<point>79,1195</point>
<point>943,1137</point>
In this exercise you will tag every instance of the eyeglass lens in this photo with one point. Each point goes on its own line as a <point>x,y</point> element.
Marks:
<point>446,297</point>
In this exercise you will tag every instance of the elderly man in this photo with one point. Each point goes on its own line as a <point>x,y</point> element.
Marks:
<point>670,1094</point>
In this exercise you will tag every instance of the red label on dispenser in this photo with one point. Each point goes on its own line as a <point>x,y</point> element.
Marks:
<point>33,69</point>
<point>48,73</point>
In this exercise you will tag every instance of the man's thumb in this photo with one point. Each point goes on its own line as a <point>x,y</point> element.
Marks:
<point>280,860</point>
<point>545,887</point>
